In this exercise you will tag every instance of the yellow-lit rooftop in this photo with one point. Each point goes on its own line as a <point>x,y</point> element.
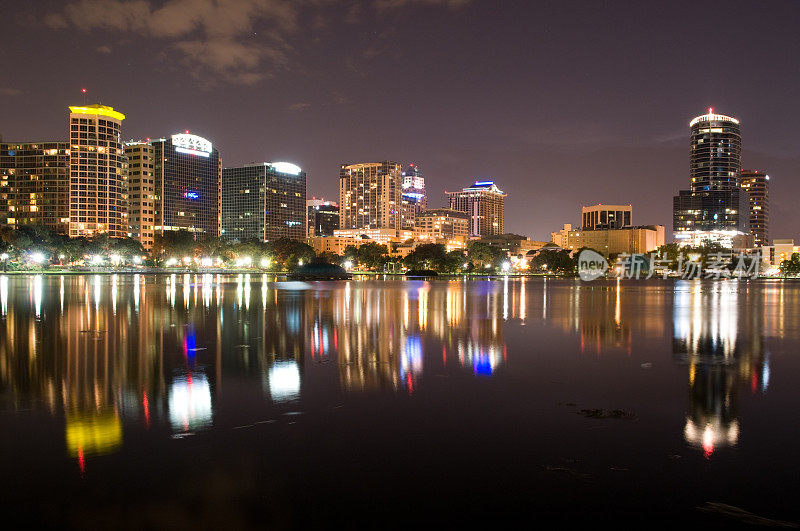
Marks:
<point>99,110</point>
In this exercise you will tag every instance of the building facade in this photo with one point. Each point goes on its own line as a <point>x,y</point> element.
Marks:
<point>714,208</point>
<point>323,217</point>
<point>630,240</point>
<point>780,250</point>
<point>141,192</point>
<point>186,173</point>
<point>414,198</point>
<point>443,223</point>
<point>264,201</point>
<point>370,195</point>
<point>606,216</point>
<point>483,202</point>
<point>98,202</point>
<point>756,184</point>
<point>34,184</point>
<point>513,244</point>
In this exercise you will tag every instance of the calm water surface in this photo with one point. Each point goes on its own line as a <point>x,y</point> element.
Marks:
<point>242,401</point>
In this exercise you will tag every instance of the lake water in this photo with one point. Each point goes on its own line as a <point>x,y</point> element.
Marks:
<point>245,401</point>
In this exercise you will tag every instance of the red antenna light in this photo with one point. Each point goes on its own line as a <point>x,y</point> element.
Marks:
<point>710,110</point>
<point>187,131</point>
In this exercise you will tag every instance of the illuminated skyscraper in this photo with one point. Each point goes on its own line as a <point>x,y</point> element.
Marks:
<point>414,199</point>
<point>264,201</point>
<point>141,192</point>
<point>370,195</point>
<point>757,186</point>
<point>483,202</point>
<point>715,208</point>
<point>34,184</point>
<point>186,181</point>
<point>98,201</point>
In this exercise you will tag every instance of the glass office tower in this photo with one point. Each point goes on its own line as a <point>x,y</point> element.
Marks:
<point>264,201</point>
<point>186,174</point>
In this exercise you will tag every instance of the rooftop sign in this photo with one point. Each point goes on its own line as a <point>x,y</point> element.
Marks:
<point>191,144</point>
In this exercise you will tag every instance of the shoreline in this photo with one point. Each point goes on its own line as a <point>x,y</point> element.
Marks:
<point>444,276</point>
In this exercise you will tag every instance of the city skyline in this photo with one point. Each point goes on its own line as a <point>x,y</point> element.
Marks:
<point>553,141</point>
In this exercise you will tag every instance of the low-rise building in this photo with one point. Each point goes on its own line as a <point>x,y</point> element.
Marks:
<point>398,242</point>
<point>780,250</point>
<point>631,240</point>
<point>443,223</point>
<point>513,244</point>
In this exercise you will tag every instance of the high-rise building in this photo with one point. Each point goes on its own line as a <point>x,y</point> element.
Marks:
<point>483,202</point>
<point>34,184</point>
<point>98,180</point>
<point>414,199</point>
<point>323,217</point>
<point>601,216</point>
<point>141,192</point>
<point>715,208</point>
<point>370,195</point>
<point>264,201</point>
<point>756,184</point>
<point>186,174</point>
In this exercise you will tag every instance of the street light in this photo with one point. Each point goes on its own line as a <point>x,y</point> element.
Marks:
<point>37,257</point>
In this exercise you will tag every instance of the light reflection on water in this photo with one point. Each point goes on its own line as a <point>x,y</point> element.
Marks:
<point>108,354</point>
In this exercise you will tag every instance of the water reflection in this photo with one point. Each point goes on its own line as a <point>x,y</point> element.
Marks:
<point>719,334</point>
<point>109,353</point>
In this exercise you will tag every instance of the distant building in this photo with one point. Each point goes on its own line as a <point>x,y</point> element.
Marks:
<point>513,244</point>
<point>443,223</point>
<point>323,217</point>
<point>606,216</point>
<point>98,202</point>
<point>414,198</point>
<point>186,174</point>
<point>631,240</point>
<point>715,208</point>
<point>780,250</point>
<point>370,195</point>
<point>483,202</point>
<point>35,184</point>
<point>756,184</point>
<point>141,192</point>
<point>264,201</point>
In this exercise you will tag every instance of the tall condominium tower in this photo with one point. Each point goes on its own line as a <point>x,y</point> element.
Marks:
<point>715,152</point>
<point>141,192</point>
<point>98,182</point>
<point>414,199</point>
<point>756,184</point>
<point>34,184</point>
<point>264,201</point>
<point>186,181</point>
<point>483,202</point>
<point>323,217</point>
<point>714,208</point>
<point>370,195</point>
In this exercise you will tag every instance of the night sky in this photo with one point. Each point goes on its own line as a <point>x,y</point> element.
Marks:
<point>561,103</point>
